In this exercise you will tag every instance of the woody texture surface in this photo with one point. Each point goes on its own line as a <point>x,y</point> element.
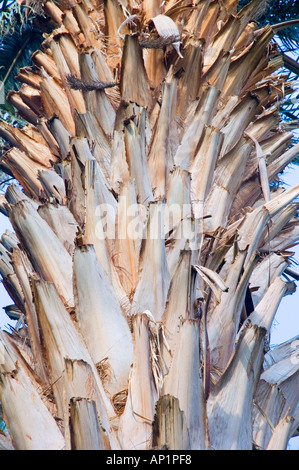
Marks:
<point>150,247</point>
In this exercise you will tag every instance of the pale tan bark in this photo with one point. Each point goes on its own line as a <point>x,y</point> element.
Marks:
<point>134,139</point>
<point>62,222</point>
<point>169,427</point>
<point>184,365</point>
<point>223,400</point>
<point>55,102</point>
<point>150,253</point>
<point>83,416</point>
<point>53,264</point>
<point>65,345</point>
<point>96,101</point>
<point>101,321</point>
<point>281,434</point>
<point>135,427</point>
<point>275,408</point>
<point>21,415</point>
<point>24,272</point>
<point>132,64</point>
<point>24,111</point>
<point>164,139</point>
<point>127,243</point>
<point>153,266</point>
<point>192,135</point>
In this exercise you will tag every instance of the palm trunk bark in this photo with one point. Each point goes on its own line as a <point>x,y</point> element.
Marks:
<point>150,250</point>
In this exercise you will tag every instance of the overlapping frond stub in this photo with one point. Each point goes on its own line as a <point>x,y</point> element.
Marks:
<point>149,241</point>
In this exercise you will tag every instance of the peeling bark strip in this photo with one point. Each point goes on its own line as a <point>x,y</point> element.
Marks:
<point>48,256</point>
<point>101,321</point>
<point>132,66</point>
<point>191,401</point>
<point>153,266</point>
<point>242,374</point>
<point>85,430</point>
<point>29,407</point>
<point>149,253</point>
<point>64,344</point>
<point>135,426</point>
<point>169,429</point>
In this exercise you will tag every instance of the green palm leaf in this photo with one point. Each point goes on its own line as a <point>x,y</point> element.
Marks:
<point>15,51</point>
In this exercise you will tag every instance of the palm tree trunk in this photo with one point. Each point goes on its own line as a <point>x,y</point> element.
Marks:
<point>149,243</point>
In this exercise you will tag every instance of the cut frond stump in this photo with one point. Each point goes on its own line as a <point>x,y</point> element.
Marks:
<point>151,244</point>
